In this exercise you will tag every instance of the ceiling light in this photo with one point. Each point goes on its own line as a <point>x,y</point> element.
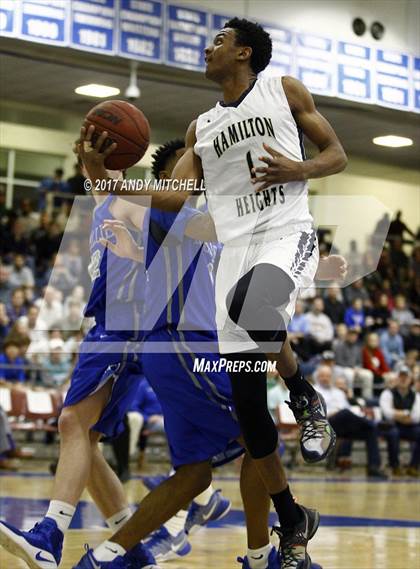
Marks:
<point>94,90</point>
<point>392,141</point>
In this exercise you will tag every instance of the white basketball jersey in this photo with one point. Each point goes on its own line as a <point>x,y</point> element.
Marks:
<point>229,142</point>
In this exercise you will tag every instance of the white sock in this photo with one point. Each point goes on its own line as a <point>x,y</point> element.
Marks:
<point>204,498</point>
<point>258,558</point>
<point>119,519</point>
<point>108,551</point>
<point>62,513</point>
<point>177,523</point>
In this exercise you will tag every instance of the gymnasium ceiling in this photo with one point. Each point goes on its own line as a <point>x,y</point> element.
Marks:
<point>36,76</point>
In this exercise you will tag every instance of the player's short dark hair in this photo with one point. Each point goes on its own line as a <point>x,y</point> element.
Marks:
<point>251,34</point>
<point>164,153</point>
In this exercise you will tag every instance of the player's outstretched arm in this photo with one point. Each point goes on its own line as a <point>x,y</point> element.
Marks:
<point>172,198</point>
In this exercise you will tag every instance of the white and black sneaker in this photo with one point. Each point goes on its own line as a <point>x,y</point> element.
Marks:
<point>294,542</point>
<point>317,437</point>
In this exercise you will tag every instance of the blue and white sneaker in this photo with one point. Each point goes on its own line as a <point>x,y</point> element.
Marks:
<point>137,558</point>
<point>41,547</point>
<point>273,561</point>
<point>163,546</point>
<point>199,516</point>
<point>151,482</point>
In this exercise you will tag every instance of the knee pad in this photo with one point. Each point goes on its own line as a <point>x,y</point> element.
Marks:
<point>254,303</point>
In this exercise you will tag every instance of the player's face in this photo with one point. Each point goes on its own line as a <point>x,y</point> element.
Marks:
<point>171,163</point>
<point>221,55</point>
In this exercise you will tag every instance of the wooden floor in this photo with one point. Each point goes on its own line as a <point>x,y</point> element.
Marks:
<point>364,525</point>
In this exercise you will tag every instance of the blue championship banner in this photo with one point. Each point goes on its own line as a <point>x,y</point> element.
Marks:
<point>282,60</point>
<point>354,78</point>
<point>315,64</point>
<point>44,21</point>
<point>141,30</point>
<point>93,25</point>
<point>187,31</point>
<point>416,81</point>
<point>392,79</point>
<point>8,17</point>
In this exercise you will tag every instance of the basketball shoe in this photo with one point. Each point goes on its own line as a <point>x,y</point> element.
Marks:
<point>294,541</point>
<point>273,561</point>
<point>199,516</point>
<point>163,546</point>
<point>137,558</point>
<point>40,547</point>
<point>317,437</point>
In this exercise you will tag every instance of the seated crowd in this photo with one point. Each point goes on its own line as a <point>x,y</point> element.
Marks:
<point>360,345</point>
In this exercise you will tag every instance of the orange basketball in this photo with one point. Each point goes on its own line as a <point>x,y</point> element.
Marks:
<point>126,125</point>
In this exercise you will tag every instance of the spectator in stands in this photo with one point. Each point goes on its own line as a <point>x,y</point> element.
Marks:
<point>11,363</point>
<point>347,424</point>
<point>412,340</point>
<point>397,229</point>
<point>412,361</point>
<point>60,276</point>
<point>76,182</point>
<point>5,287</point>
<point>56,366</point>
<point>6,442</point>
<point>4,323</point>
<point>16,308</point>
<point>20,274</point>
<point>392,344</point>
<point>37,329</point>
<point>46,242</point>
<point>50,306</point>
<point>16,241</point>
<point>348,357</point>
<point>77,295</point>
<point>381,312</point>
<point>321,330</point>
<point>72,322</point>
<point>374,359</point>
<point>28,217</point>
<point>401,406</point>
<point>334,307</point>
<point>356,290</point>
<point>402,314</point>
<point>52,184</point>
<point>73,259</point>
<point>353,258</point>
<point>398,258</point>
<point>355,315</point>
<point>297,331</point>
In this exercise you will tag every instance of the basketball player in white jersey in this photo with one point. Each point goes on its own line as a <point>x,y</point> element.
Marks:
<point>248,150</point>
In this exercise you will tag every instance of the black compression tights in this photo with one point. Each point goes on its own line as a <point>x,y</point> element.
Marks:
<point>249,391</point>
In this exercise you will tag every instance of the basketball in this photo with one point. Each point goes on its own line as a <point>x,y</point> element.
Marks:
<point>126,125</point>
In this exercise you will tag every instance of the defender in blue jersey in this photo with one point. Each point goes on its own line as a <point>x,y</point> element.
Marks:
<point>199,417</point>
<point>104,383</point>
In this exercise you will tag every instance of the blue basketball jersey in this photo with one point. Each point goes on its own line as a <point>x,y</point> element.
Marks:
<point>179,289</point>
<point>118,283</point>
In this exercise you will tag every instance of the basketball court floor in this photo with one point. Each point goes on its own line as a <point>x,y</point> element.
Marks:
<point>365,525</point>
